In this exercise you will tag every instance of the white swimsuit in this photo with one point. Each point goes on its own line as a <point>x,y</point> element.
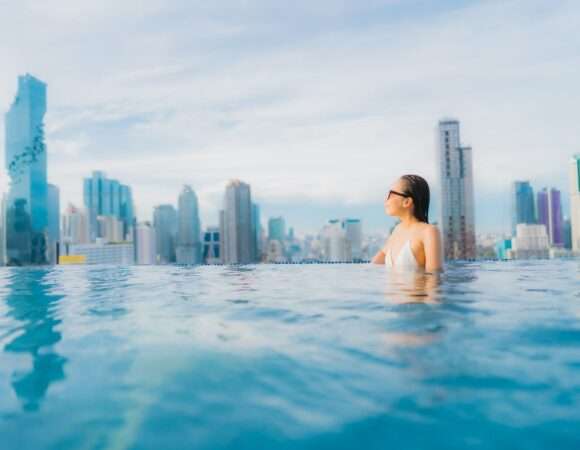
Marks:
<point>405,261</point>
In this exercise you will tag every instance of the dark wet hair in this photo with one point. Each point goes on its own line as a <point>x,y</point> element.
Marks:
<point>418,189</point>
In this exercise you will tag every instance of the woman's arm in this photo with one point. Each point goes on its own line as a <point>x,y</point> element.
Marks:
<point>379,258</point>
<point>433,256</point>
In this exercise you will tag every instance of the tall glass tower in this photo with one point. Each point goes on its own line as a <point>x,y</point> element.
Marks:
<point>188,228</point>
<point>523,204</point>
<point>107,197</point>
<point>27,208</point>
<point>276,229</point>
<point>457,204</point>
<point>165,224</point>
<point>237,224</point>
<point>550,214</point>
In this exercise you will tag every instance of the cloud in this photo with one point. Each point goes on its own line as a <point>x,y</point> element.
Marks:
<point>324,103</point>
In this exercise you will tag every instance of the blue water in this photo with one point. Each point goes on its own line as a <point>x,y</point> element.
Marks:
<point>289,357</point>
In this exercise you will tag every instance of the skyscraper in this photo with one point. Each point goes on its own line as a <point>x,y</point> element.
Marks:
<point>523,204</point>
<point>550,215</point>
<point>457,203</point>
<point>107,197</point>
<point>75,226</point>
<point>575,201</point>
<point>335,244</point>
<point>165,224</point>
<point>53,223</point>
<point>127,212</point>
<point>353,230</point>
<point>237,224</point>
<point>146,243</point>
<point>188,228</point>
<point>256,233</point>
<point>567,232</point>
<point>26,209</point>
<point>276,229</point>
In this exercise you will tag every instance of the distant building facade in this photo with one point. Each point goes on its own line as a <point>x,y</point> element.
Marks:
<point>108,198</point>
<point>531,242</point>
<point>26,164</point>
<point>102,253</point>
<point>550,215</point>
<point>523,204</point>
<point>239,237</point>
<point>212,253</point>
<point>276,229</point>
<point>146,253</point>
<point>53,223</point>
<point>188,228</point>
<point>165,224</point>
<point>457,202</point>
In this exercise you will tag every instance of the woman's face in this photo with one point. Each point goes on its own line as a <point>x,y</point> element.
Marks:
<point>396,205</point>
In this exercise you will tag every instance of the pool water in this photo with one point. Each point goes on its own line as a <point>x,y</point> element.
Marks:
<point>339,356</point>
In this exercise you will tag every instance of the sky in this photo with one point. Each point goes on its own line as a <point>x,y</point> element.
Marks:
<point>319,106</point>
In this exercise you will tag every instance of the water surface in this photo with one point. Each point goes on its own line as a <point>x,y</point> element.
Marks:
<point>290,356</point>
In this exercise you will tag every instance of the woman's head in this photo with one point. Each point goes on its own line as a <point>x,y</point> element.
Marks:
<point>409,194</point>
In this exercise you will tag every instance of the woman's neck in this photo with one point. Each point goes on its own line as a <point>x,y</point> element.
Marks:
<point>408,221</point>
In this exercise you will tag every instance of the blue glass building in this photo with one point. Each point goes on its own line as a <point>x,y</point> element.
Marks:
<point>188,228</point>
<point>107,197</point>
<point>26,209</point>
<point>53,223</point>
<point>165,224</point>
<point>523,209</point>
<point>276,229</point>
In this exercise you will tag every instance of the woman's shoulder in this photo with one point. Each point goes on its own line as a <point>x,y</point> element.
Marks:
<point>428,230</point>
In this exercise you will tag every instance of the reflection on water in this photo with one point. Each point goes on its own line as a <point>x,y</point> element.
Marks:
<point>31,304</point>
<point>412,287</point>
<point>289,357</point>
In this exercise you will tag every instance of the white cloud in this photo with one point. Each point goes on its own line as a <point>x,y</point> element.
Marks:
<point>305,103</point>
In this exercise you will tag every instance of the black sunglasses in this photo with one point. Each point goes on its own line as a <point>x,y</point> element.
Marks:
<point>400,194</point>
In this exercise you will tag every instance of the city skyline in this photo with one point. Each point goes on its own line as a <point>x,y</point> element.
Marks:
<point>250,102</point>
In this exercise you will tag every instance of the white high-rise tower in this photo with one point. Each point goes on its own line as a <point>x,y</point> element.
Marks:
<point>456,175</point>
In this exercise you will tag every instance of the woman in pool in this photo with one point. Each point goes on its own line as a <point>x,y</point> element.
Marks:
<point>414,244</point>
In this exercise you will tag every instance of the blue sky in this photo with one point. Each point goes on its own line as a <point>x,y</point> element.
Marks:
<point>318,105</point>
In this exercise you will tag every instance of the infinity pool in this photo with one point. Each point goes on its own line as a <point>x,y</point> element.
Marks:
<point>290,357</point>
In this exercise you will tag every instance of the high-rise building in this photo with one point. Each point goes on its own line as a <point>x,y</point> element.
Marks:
<point>165,223</point>
<point>550,215</point>
<point>567,232</point>
<point>146,244</point>
<point>256,233</point>
<point>107,197</point>
<point>53,223</point>
<point>457,203</point>
<point>353,230</point>
<point>25,152</point>
<point>109,229</point>
<point>276,229</point>
<point>335,244</point>
<point>188,228</point>
<point>75,226</point>
<point>523,209</point>
<point>126,210</point>
<point>575,201</point>
<point>211,246</point>
<point>237,224</point>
